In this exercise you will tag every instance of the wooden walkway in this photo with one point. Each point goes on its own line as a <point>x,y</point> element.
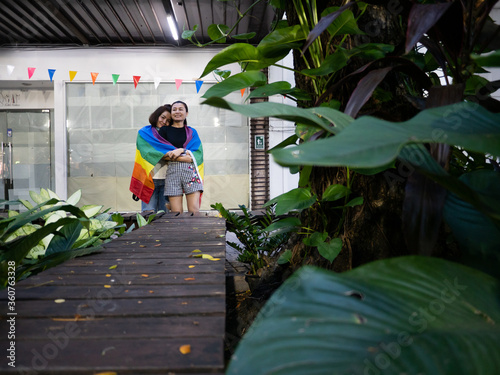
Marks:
<point>131,309</point>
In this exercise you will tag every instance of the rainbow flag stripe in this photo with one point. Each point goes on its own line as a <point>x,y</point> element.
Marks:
<point>150,148</point>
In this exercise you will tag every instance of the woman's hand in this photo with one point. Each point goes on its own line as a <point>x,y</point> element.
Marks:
<point>174,154</point>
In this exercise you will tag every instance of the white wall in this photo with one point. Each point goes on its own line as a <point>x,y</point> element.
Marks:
<point>281,180</point>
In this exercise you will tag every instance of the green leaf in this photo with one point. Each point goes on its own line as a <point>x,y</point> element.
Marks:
<point>335,192</point>
<point>293,200</point>
<point>490,59</point>
<point>329,119</point>
<point>222,73</point>
<point>355,202</point>
<point>315,239</point>
<point>236,82</point>
<point>407,315</point>
<point>417,156</point>
<point>285,257</point>
<point>289,223</point>
<point>476,234</point>
<point>91,210</point>
<point>218,32</point>
<point>343,24</point>
<point>278,43</point>
<point>69,234</point>
<point>140,220</point>
<point>369,142</point>
<point>235,53</point>
<point>279,88</point>
<point>330,250</point>
<point>245,36</point>
<point>75,197</point>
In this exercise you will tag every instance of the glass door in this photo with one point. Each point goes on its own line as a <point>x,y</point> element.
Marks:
<point>25,153</point>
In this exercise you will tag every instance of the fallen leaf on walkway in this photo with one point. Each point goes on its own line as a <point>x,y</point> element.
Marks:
<point>107,373</point>
<point>191,266</point>
<point>207,256</point>
<point>196,251</point>
<point>60,300</point>
<point>144,275</point>
<point>185,349</point>
<point>158,245</point>
<point>142,245</point>
<point>189,278</point>
<point>107,349</point>
<point>107,286</point>
<point>108,275</point>
<point>113,266</point>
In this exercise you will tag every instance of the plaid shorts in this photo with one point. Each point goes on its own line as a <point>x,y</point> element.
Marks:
<point>181,178</point>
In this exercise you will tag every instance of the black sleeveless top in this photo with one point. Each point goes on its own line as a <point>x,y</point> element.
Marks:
<point>176,136</point>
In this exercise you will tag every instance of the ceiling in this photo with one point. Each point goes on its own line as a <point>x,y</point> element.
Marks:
<point>123,23</point>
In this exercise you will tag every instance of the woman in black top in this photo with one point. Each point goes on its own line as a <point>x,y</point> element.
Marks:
<point>182,174</point>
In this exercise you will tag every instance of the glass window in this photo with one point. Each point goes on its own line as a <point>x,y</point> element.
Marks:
<point>102,124</point>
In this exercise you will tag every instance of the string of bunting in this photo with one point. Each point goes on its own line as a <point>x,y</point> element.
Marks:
<point>94,75</point>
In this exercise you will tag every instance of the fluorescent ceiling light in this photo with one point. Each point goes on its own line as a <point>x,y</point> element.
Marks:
<point>173,27</point>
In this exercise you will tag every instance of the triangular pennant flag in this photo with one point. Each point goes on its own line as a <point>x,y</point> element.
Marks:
<point>242,92</point>
<point>72,75</point>
<point>157,82</point>
<point>94,77</point>
<point>115,78</point>
<point>51,74</point>
<point>136,80</point>
<point>198,85</point>
<point>178,83</point>
<point>10,69</point>
<point>30,72</point>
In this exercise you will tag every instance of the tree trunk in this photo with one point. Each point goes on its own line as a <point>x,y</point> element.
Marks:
<point>373,230</point>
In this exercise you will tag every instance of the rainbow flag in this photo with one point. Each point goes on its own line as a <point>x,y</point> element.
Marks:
<point>150,148</point>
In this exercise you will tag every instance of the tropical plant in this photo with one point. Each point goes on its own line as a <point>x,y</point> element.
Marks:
<point>50,232</point>
<point>386,116</point>
<point>257,244</point>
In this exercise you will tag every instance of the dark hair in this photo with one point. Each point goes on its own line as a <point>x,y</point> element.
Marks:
<point>153,118</point>
<point>185,106</point>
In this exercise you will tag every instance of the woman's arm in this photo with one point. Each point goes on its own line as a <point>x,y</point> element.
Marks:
<point>179,154</point>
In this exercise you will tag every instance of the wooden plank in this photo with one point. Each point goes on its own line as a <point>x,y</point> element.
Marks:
<point>158,268</point>
<point>96,308</point>
<point>136,279</point>
<point>113,327</point>
<point>125,291</point>
<point>136,356</point>
<point>128,308</point>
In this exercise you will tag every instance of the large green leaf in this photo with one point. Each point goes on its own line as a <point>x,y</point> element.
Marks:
<point>236,82</point>
<point>369,142</point>
<point>295,199</point>
<point>408,315</point>
<point>328,119</point>
<point>69,234</point>
<point>476,233</point>
<point>417,157</point>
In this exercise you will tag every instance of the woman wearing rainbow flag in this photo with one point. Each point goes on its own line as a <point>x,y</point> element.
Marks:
<point>184,161</point>
<point>184,153</point>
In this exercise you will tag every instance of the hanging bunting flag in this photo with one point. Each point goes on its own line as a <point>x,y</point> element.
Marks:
<point>94,77</point>
<point>115,78</point>
<point>242,92</point>
<point>30,72</point>
<point>51,74</point>
<point>198,85</point>
<point>72,75</point>
<point>10,69</point>
<point>136,80</point>
<point>178,83</point>
<point>157,82</point>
